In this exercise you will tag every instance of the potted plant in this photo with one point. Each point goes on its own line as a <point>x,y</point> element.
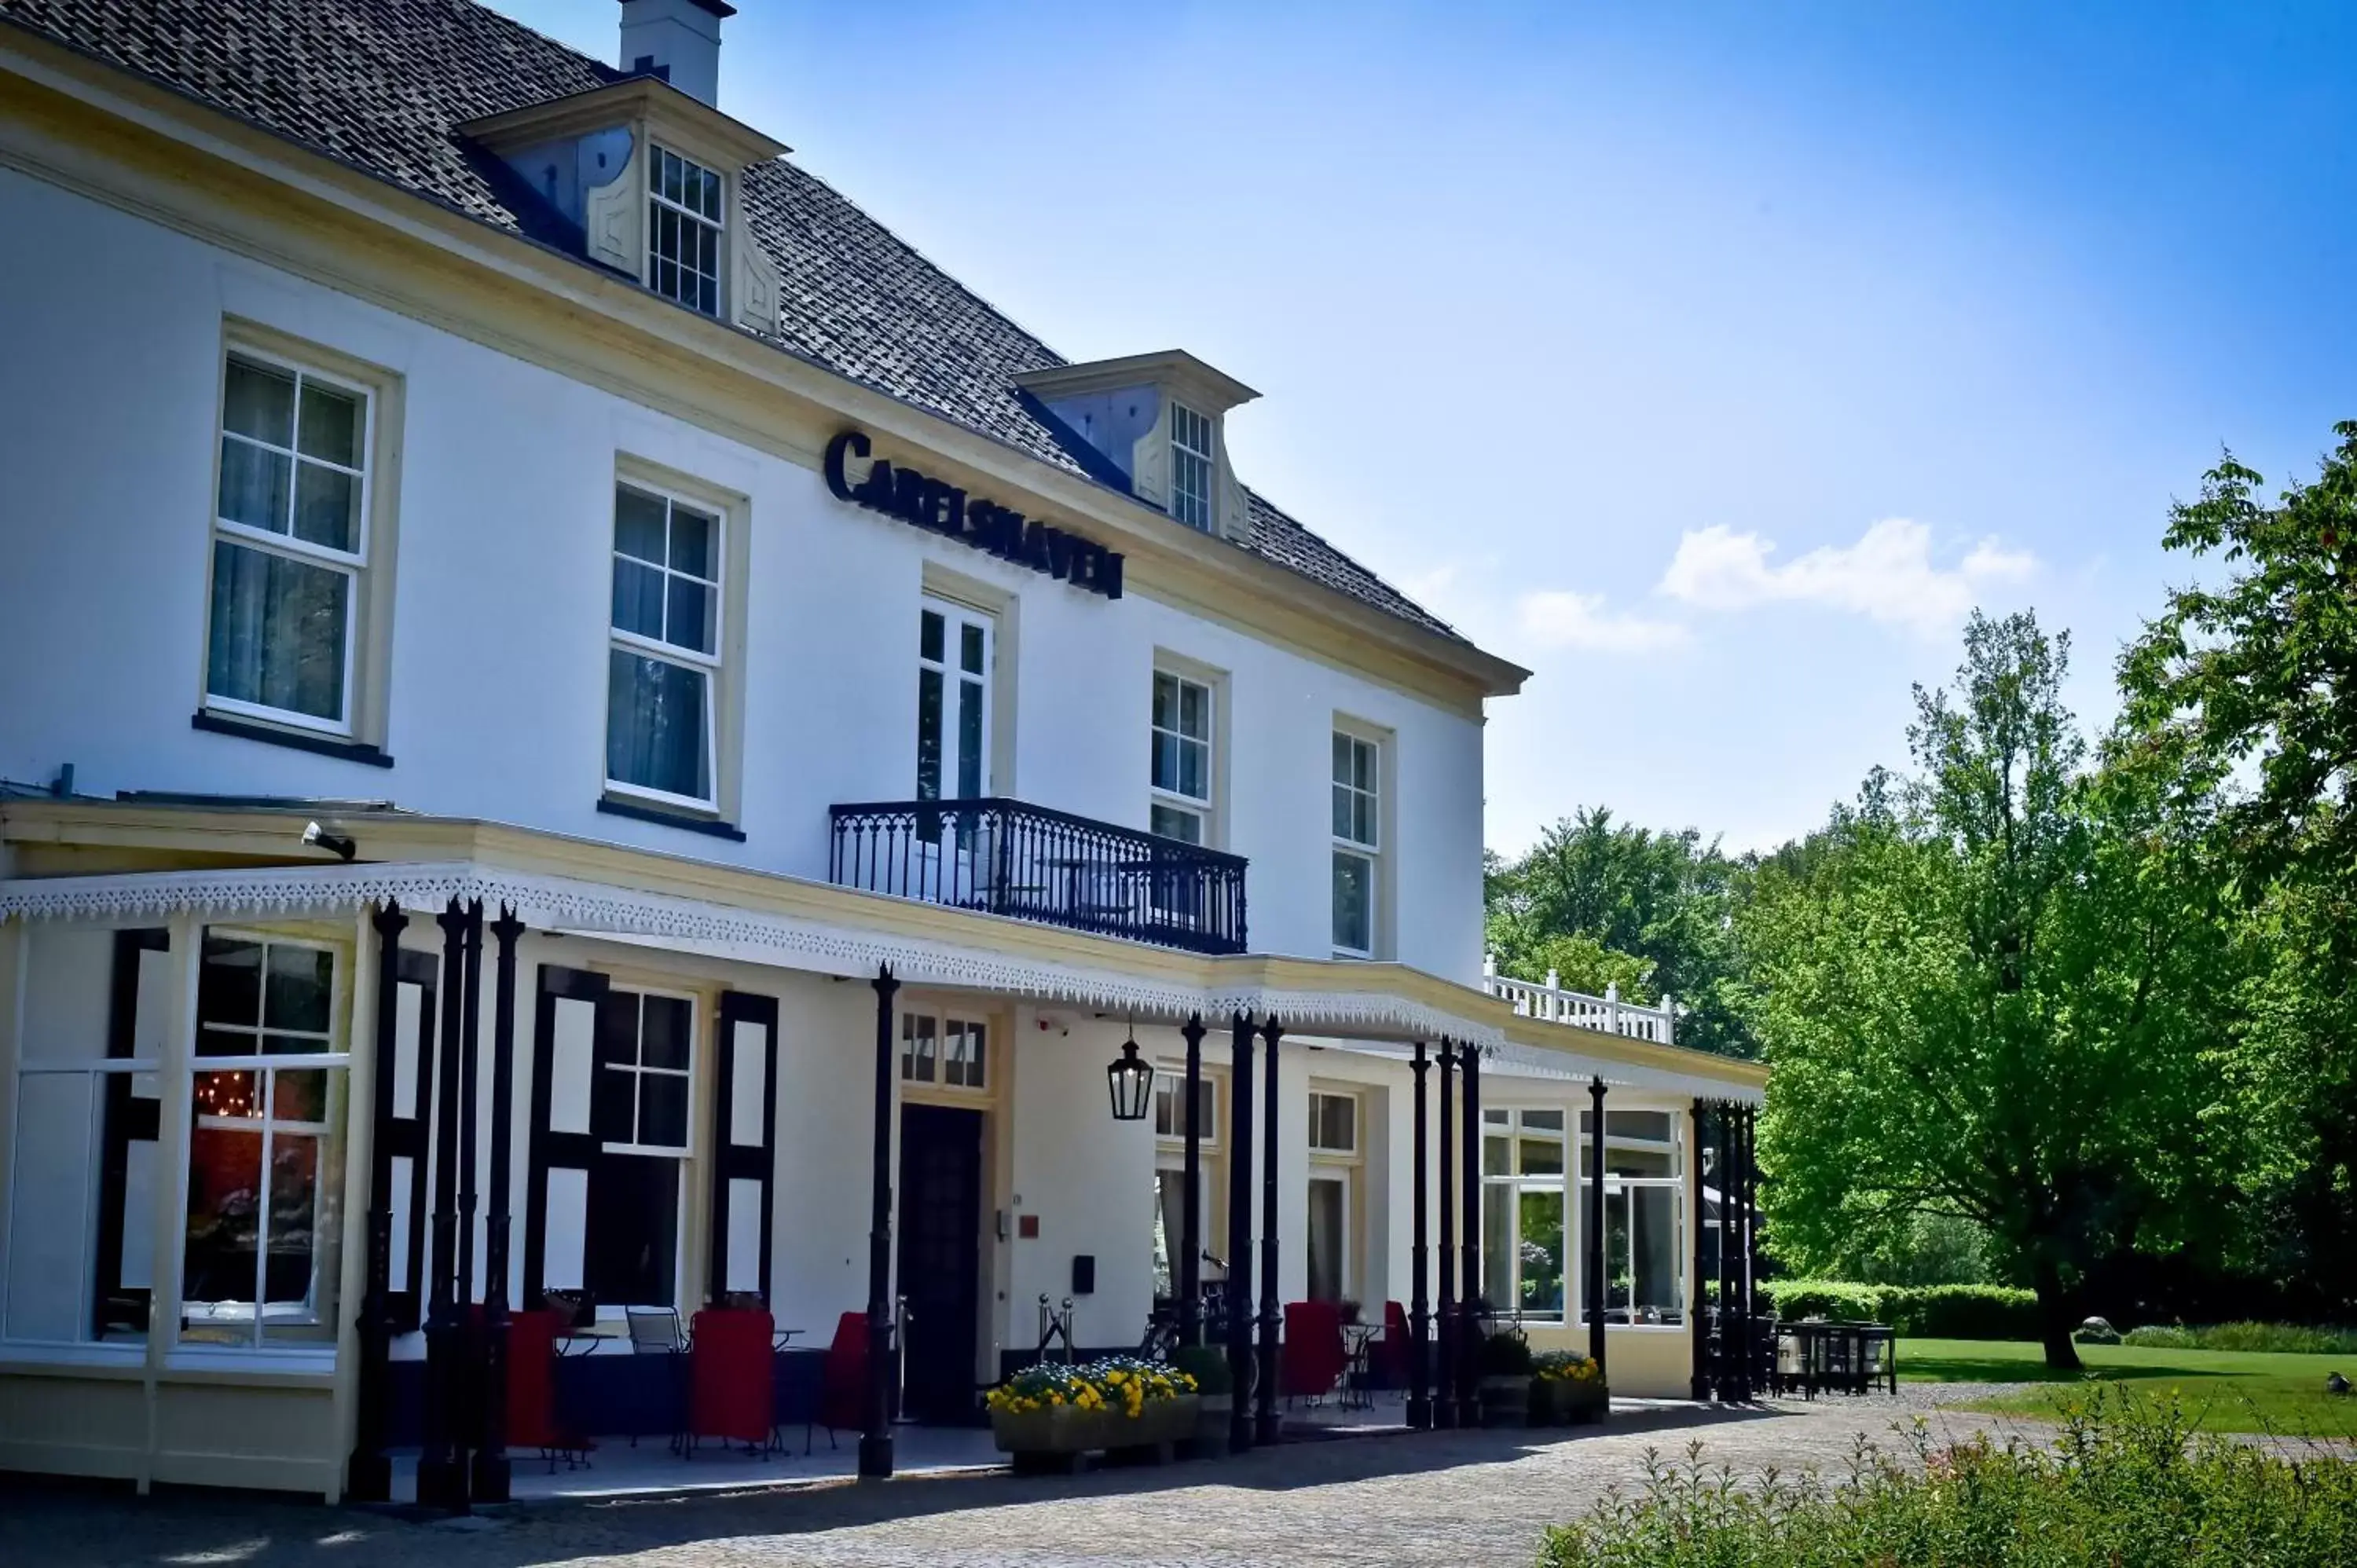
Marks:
<point>1207,1366</point>
<point>1055,1411</point>
<point>1503,1361</point>
<point>1566,1389</point>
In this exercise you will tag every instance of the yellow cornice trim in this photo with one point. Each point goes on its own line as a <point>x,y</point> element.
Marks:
<point>103,132</point>
<point>140,834</point>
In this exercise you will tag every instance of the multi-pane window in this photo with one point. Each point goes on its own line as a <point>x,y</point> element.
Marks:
<point>1170,1107</point>
<point>1181,806</point>
<point>639,1095</point>
<point>290,543</point>
<point>1523,1237</point>
<point>952,701</point>
<point>1357,813</point>
<point>644,1069</point>
<point>1191,467</point>
<point>665,661</point>
<point>684,224</point>
<point>1643,1213</point>
<point>265,1147</point>
<point>1334,1123</point>
<point>951,1052</point>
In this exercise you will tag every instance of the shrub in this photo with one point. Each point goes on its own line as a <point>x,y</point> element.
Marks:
<point>1936,1311</point>
<point>2121,1485</point>
<point>2160,1337</point>
<point>1505,1354</point>
<point>2281,1337</point>
<point>1208,1366</point>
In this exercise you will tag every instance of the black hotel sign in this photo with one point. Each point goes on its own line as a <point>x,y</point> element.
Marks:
<point>943,509</point>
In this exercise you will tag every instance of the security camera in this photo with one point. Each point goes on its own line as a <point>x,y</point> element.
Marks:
<point>336,843</point>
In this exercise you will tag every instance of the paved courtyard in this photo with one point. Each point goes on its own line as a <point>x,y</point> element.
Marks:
<point>1459,1500</point>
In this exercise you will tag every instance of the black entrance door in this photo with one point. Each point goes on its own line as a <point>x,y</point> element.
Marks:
<point>940,1262</point>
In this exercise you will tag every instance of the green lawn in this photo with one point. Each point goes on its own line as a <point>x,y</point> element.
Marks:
<point>2220,1390</point>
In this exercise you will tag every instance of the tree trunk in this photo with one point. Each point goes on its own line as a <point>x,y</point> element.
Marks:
<point>2054,1307</point>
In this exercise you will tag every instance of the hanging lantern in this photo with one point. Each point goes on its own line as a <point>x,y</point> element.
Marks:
<point>1130,1081</point>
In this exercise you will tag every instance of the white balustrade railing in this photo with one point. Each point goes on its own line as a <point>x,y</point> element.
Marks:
<point>1607,1014</point>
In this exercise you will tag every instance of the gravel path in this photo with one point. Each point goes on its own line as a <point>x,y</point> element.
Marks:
<point>1442,1500</point>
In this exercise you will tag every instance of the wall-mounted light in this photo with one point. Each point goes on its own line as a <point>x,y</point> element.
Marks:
<point>335,843</point>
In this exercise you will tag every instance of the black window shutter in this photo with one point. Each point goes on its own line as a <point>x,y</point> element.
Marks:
<point>552,1147</point>
<point>744,1146</point>
<point>129,1119</point>
<point>404,1131</point>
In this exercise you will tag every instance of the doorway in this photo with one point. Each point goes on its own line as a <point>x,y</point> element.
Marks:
<point>940,1262</point>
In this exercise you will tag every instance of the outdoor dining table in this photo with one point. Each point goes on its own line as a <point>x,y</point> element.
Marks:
<point>1846,1356</point>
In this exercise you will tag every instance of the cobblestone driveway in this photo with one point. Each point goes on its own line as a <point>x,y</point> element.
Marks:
<point>1462,1500</point>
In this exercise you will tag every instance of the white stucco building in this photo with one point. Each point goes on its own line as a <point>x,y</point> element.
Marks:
<point>446,470</point>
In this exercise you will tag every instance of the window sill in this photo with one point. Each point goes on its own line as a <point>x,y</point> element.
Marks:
<point>712,826</point>
<point>297,740</point>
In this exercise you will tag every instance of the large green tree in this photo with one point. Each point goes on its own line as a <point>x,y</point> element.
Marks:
<point>1990,991</point>
<point>1600,902</point>
<point>2256,670</point>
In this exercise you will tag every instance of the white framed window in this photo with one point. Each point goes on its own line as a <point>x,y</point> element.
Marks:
<point>1182,769</point>
<point>1333,1123</point>
<point>1170,1108</point>
<point>943,1052</point>
<point>646,1073</point>
<point>1525,1229</point>
<point>663,663</point>
<point>262,1218</point>
<point>290,543</point>
<point>1644,1214</point>
<point>685,223</point>
<point>954,653</point>
<point>1191,467</point>
<point>1357,817</point>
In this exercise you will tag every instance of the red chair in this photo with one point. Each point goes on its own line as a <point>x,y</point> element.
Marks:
<point>531,1391</point>
<point>728,1378</point>
<point>1394,1353</point>
<point>843,1381</point>
<point>1314,1357</point>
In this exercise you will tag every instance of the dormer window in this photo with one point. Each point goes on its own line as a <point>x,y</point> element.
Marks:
<point>683,231</point>
<point>1192,463</point>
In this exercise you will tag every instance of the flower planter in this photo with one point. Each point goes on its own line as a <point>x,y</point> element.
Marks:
<point>1506,1401</point>
<point>1061,1432</point>
<point>1211,1423</point>
<point>1568,1402</point>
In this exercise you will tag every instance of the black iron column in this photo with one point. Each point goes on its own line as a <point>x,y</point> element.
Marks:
<point>1697,1377</point>
<point>1266,1427</point>
<point>469,1113</point>
<point>1191,1222</point>
<point>1724,1347</point>
<point>1594,1251</point>
<point>1419,1310</point>
<point>1469,1293</point>
<point>1240,1268</point>
<point>1750,1135</point>
<point>1443,1407</point>
<point>876,1434</point>
<point>491,1470</point>
<point>368,1476</point>
<point>442,1468</point>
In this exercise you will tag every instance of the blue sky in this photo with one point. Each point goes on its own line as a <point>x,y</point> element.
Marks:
<point>1709,359</point>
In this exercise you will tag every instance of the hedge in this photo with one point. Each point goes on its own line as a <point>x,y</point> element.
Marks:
<point>1930,1312</point>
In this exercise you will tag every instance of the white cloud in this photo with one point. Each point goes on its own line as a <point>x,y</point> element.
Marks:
<point>1887,574</point>
<point>1561,620</point>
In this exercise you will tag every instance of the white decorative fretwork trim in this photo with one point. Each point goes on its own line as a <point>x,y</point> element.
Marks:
<point>571,905</point>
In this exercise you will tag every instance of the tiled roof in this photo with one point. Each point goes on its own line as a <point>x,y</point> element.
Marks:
<point>379,84</point>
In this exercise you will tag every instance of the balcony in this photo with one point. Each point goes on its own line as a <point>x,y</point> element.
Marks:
<point>1004,857</point>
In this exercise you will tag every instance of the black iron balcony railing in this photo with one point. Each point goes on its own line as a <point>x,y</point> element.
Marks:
<point>1005,857</point>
